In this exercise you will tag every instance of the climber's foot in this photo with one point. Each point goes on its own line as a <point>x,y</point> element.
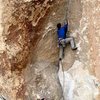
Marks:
<point>74,48</point>
<point>60,59</point>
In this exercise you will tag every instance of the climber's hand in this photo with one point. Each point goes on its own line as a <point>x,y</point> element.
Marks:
<point>65,22</point>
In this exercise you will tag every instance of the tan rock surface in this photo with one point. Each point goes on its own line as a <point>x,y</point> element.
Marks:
<point>29,53</point>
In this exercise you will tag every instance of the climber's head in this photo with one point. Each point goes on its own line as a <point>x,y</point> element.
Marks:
<point>59,25</point>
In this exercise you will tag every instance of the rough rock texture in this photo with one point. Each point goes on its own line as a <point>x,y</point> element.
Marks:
<point>82,67</point>
<point>29,53</point>
<point>22,26</point>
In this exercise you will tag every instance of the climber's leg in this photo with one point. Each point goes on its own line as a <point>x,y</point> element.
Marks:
<point>72,42</point>
<point>61,52</point>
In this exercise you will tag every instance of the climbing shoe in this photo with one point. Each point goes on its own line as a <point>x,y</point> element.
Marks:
<point>60,59</point>
<point>74,48</point>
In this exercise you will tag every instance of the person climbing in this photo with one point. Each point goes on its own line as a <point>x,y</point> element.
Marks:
<point>63,39</point>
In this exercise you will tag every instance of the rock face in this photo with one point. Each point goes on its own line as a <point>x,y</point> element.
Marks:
<point>29,52</point>
<point>42,82</point>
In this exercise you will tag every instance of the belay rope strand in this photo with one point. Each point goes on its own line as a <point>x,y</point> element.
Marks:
<point>62,69</point>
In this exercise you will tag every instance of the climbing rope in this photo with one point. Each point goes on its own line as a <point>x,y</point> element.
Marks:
<point>66,11</point>
<point>62,69</point>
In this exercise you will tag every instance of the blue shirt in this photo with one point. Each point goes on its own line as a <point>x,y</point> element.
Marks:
<point>62,31</point>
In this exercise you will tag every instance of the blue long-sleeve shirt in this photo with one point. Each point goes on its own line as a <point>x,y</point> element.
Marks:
<point>62,31</point>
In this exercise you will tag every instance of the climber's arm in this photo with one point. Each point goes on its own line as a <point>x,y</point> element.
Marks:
<point>66,26</point>
<point>66,22</point>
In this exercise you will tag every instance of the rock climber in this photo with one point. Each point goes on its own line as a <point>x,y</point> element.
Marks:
<point>63,39</point>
